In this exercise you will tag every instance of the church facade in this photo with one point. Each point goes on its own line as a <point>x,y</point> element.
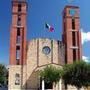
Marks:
<point>27,58</point>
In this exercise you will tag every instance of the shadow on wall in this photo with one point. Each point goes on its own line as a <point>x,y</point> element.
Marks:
<point>33,82</point>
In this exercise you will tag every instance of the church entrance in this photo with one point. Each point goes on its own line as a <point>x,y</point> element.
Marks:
<point>47,85</point>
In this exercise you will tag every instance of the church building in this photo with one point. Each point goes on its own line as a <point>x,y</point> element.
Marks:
<point>28,57</point>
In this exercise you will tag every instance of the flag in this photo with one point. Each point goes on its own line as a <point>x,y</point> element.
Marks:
<point>49,27</point>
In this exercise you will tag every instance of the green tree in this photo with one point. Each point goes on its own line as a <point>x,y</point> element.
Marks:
<point>3,72</point>
<point>51,74</point>
<point>77,74</point>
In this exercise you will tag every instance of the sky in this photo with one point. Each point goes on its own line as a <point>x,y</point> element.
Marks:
<point>39,12</point>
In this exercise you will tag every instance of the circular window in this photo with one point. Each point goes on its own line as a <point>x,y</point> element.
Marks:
<point>46,50</point>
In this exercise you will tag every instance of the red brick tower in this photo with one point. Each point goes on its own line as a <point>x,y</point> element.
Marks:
<point>71,34</point>
<point>18,33</point>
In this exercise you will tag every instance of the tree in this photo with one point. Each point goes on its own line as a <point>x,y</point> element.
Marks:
<point>51,74</point>
<point>3,72</point>
<point>77,74</point>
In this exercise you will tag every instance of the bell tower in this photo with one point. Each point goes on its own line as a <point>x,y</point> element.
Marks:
<point>71,34</point>
<point>18,33</point>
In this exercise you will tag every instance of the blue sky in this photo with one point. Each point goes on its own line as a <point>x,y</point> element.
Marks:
<point>39,12</point>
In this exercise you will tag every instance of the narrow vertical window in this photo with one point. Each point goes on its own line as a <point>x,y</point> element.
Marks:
<point>74,54</point>
<point>18,36</point>
<point>73,39</point>
<point>19,7</point>
<point>17,52</point>
<point>73,24</point>
<point>19,21</point>
<point>18,39</point>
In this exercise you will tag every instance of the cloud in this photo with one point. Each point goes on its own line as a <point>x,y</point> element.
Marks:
<point>85,36</point>
<point>86,59</point>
